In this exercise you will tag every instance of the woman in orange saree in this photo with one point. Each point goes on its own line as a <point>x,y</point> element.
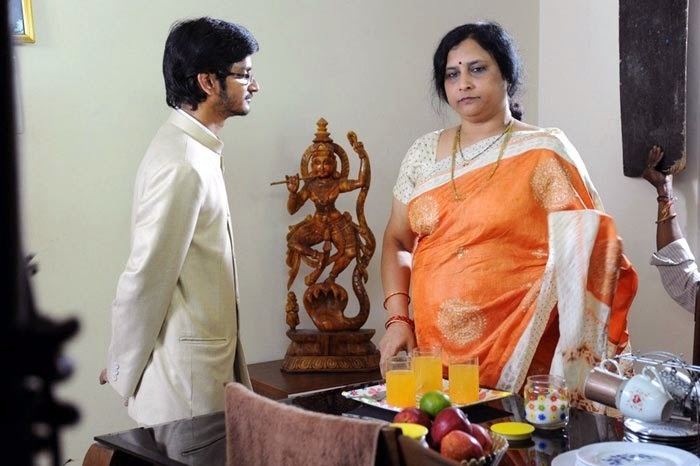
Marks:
<point>498,235</point>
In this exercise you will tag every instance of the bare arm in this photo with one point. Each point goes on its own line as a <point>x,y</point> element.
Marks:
<point>680,277</point>
<point>396,276</point>
<point>667,228</point>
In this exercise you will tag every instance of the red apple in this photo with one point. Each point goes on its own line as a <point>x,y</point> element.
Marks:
<point>446,421</point>
<point>413,416</point>
<point>482,435</point>
<point>458,445</point>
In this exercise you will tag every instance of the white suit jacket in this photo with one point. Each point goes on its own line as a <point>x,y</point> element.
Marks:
<point>174,319</point>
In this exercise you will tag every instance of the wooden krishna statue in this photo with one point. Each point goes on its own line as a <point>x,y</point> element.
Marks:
<point>328,241</point>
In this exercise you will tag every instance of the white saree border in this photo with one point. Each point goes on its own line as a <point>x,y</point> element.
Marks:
<point>583,319</point>
<point>515,369</point>
<point>552,139</point>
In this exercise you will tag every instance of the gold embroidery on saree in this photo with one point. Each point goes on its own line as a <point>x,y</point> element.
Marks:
<point>423,215</point>
<point>551,186</point>
<point>460,322</point>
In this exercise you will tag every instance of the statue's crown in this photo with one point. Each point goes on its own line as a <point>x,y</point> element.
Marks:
<point>322,134</point>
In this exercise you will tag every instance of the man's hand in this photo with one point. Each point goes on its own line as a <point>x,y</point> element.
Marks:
<point>103,380</point>
<point>103,377</point>
<point>658,179</point>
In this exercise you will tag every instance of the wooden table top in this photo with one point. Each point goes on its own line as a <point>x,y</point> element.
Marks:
<point>268,380</point>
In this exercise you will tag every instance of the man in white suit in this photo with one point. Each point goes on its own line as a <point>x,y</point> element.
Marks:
<point>175,339</point>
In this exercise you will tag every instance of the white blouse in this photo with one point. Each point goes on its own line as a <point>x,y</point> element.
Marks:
<point>419,163</point>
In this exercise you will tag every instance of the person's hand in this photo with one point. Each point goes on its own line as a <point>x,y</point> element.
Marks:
<point>103,377</point>
<point>398,336</point>
<point>657,179</point>
<point>292,183</point>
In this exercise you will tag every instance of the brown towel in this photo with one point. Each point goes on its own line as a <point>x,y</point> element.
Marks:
<point>260,431</point>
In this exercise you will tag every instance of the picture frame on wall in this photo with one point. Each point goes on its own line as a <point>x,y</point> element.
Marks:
<point>21,20</point>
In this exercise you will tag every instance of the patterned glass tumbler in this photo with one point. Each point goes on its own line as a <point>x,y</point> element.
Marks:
<point>546,401</point>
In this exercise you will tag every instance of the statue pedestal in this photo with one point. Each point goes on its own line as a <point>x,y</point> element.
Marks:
<point>343,351</point>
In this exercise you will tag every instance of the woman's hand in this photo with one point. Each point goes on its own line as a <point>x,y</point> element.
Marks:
<point>398,336</point>
<point>659,180</point>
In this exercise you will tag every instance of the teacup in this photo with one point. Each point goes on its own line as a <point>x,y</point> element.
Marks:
<point>605,363</point>
<point>681,388</point>
<point>644,397</point>
<point>603,386</point>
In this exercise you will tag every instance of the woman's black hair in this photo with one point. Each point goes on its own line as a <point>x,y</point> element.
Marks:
<point>203,45</point>
<point>496,41</point>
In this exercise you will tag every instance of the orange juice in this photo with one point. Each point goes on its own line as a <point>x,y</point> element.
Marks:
<point>464,383</point>
<point>428,373</point>
<point>401,388</point>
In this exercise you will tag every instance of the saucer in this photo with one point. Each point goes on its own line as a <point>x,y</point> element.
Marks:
<point>565,459</point>
<point>634,454</point>
<point>675,429</point>
<point>691,446</point>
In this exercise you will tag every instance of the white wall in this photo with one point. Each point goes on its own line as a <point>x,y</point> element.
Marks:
<point>579,92</point>
<point>93,97</point>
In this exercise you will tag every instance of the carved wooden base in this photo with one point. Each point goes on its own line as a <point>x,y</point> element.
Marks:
<point>317,351</point>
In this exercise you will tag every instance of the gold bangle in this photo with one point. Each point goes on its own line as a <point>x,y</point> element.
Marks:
<point>391,295</point>
<point>665,209</point>
<point>668,217</point>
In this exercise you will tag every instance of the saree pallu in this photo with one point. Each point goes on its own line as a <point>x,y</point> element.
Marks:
<point>515,262</point>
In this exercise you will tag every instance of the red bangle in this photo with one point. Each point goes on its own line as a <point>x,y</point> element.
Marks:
<point>390,295</point>
<point>399,318</point>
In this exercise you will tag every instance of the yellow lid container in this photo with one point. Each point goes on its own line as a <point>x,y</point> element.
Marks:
<point>513,430</point>
<point>414,431</point>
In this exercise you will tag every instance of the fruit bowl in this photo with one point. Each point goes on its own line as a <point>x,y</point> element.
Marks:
<point>500,446</point>
<point>417,454</point>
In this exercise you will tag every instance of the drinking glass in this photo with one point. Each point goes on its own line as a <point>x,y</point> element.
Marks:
<point>546,401</point>
<point>427,364</point>
<point>400,382</point>
<point>464,379</point>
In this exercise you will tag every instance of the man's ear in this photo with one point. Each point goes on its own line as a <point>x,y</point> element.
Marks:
<point>208,83</point>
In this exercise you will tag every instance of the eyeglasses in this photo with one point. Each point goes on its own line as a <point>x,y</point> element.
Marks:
<point>242,78</point>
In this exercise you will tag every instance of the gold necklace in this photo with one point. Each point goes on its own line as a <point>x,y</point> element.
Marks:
<point>457,145</point>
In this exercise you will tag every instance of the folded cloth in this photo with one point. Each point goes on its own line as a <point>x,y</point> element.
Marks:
<point>260,431</point>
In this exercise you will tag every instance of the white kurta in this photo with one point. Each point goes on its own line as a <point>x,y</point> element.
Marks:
<point>174,318</point>
<point>679,272</point>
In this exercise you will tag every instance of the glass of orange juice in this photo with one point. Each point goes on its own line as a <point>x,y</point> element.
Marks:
<point>400,382</point>
<point>427,364</point>
<point>464,379</point>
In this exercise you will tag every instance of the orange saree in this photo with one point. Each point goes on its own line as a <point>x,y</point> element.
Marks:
<point>494,259</point>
